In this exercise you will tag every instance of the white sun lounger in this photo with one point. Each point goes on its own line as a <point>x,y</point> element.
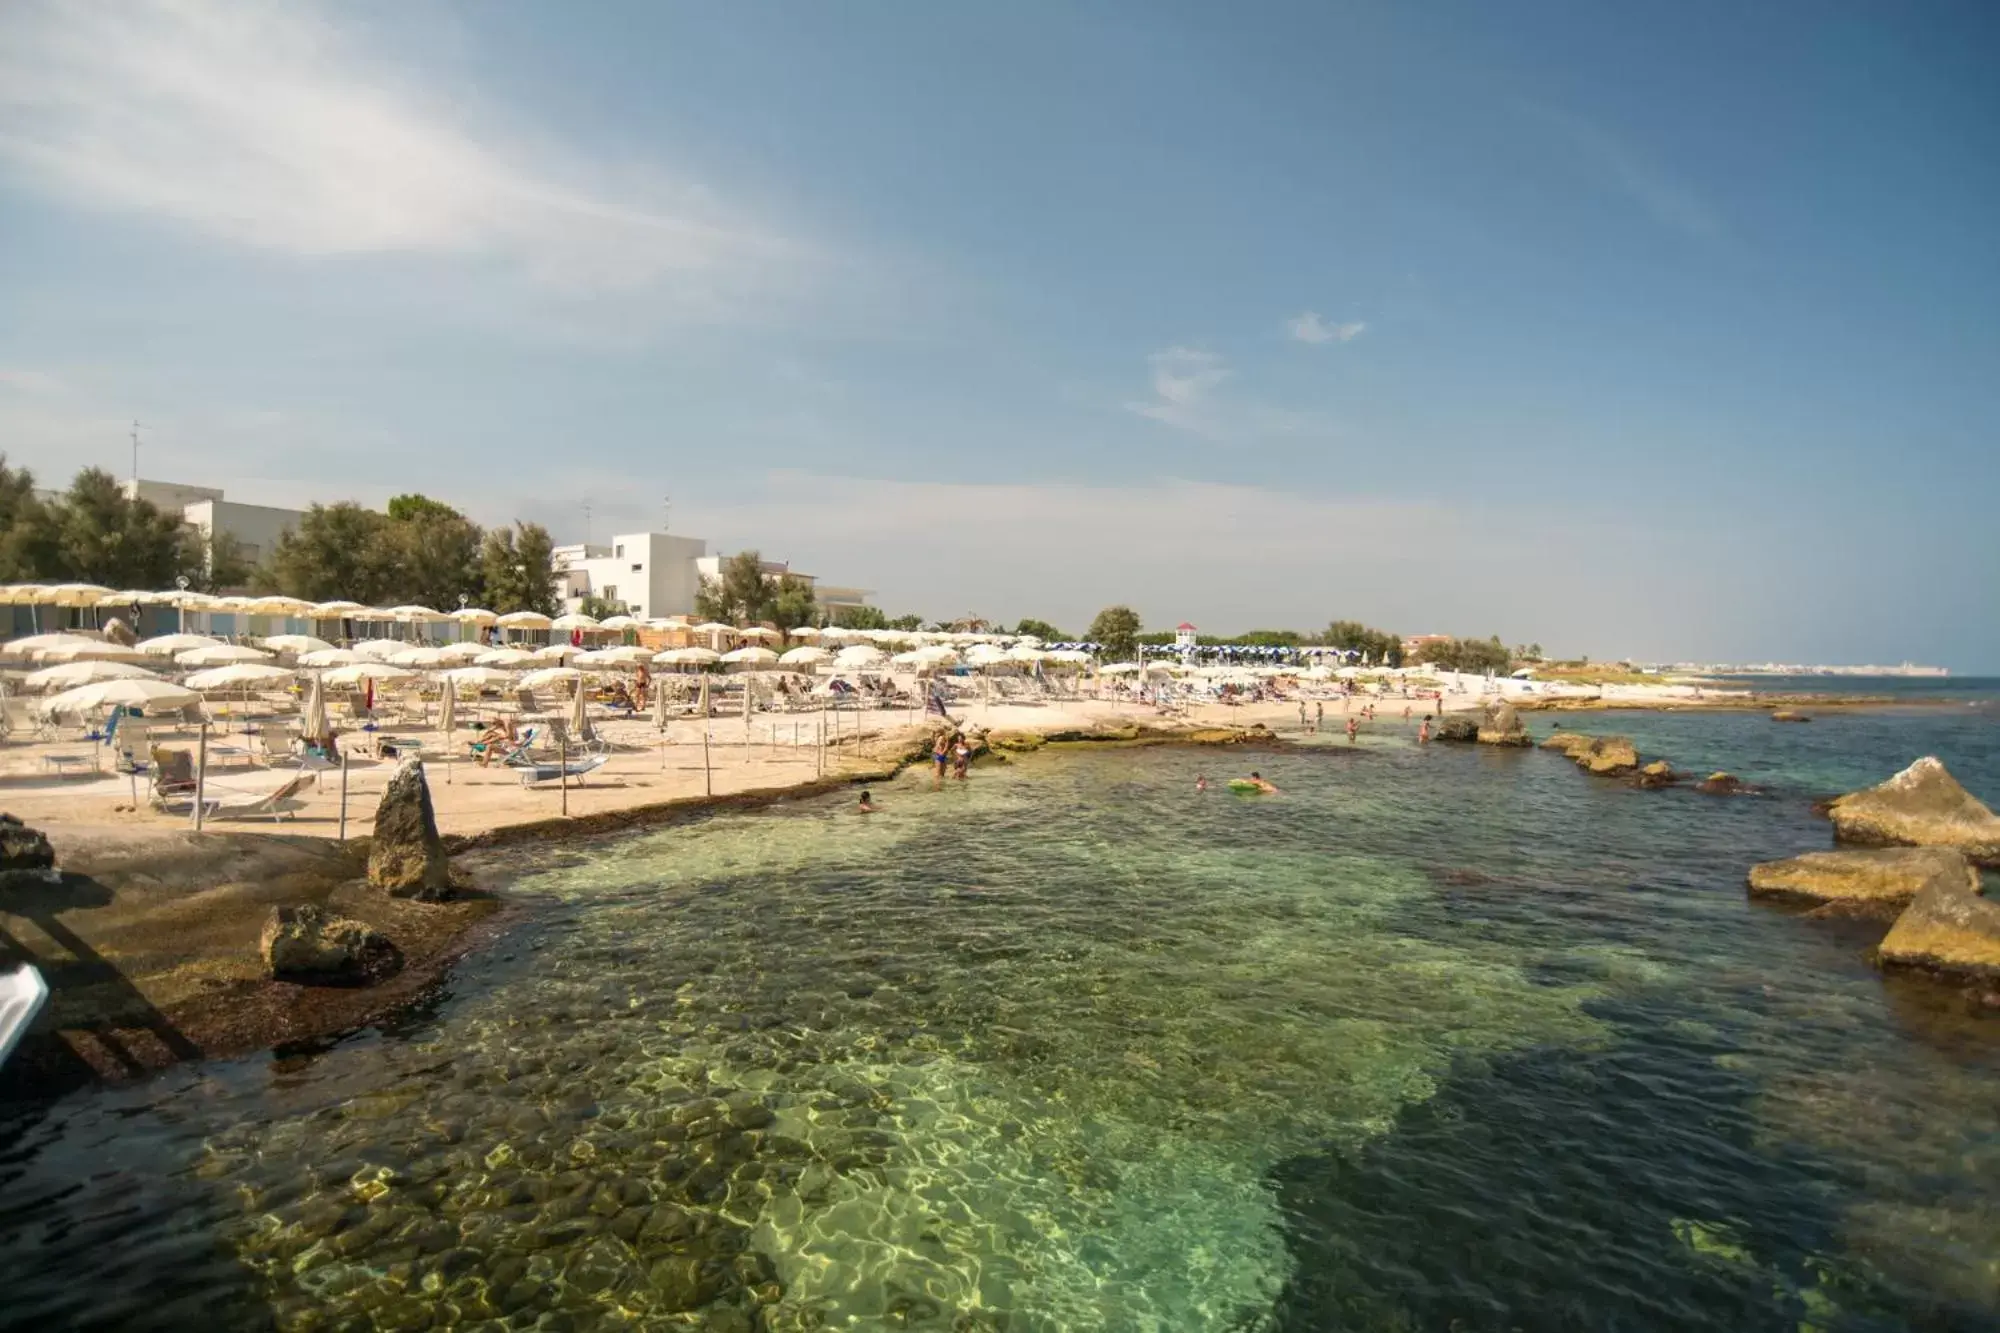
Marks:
<point>534,773</point>
<point>22,993</point>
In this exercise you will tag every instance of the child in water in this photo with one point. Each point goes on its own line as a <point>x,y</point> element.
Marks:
<point>866,806</point>
<point>1200,782</point>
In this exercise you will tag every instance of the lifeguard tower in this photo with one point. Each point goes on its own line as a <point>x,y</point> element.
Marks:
<point>1184,640</point>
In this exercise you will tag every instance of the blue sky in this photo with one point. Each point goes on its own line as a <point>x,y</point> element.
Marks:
<point>1666,331</point>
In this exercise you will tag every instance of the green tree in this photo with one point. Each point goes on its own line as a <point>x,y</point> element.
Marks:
<point>218,562</point>
<point>409,508</point>
<point>1042,630</point>
<point>517,570</point>
<point>1117,628</point>
<point>101,536</point>
<point>1469,655</point>
<point>906,623</point>
<point>336,552</point>
<point>792,603</point>
<point>433,551</point>
<point>29,550</point>
<point>1270,638</point>
<point>740,595</point>
<point>601,608</point>
<point>860,617</point>
<point>1353,636</point>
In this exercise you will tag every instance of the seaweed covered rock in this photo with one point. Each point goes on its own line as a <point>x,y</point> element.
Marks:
<point>1659,773</point>
<point>1882,875</point>
<point>1788,715</point>
<point>1568,742</point>
<point>1949,928</point>
<point>1608,755</point>
<point>1460,728</point>
<point>406,856</point>
<point>309,944</point>
<point>1501,725</point>
<point>23,848</point>
<point>1723,784</point>
<point>1922,806</point>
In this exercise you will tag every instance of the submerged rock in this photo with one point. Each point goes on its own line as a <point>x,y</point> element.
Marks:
<point>309,944</point>
<point>1885,875</point>
<point>1723,784</point>
<point>1459,728</point>
<point>1567,742</point>
<point>1788,715</point>
<point>23,848</point>
<point>1608,755</point>
<point>406,856</point>
<point>1659,773</point>
<point>1501,725</point>
<point>1950,928</point>
<point>1922,806</point>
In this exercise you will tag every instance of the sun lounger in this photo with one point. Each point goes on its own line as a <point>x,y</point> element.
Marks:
<point>271,805</point>
<point>531,774</point>
<point>22,994</point>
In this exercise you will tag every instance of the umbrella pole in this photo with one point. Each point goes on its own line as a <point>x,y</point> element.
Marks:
<point>200,774</point>
<point>707,774</point>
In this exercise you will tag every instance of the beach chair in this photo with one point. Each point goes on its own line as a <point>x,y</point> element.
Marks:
<point>271,805</point>
<point>533,774</point>
<point>277,741</point>
<point>22,994</point>
<point>173,780</point>
<point>133,742</point>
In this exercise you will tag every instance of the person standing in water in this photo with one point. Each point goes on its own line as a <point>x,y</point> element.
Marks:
<point>864,806</point>
<point>1424,732</point>
<point>961,755</point>
<point>1200,782</point>
<point>1351,730</point>
<point>940,754</point>
<point>1319,716</point>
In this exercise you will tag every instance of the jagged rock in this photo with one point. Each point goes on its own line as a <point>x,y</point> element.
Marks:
<point>1922,806</point>
<point>1607,755</point>
<point>1568,742</point>
<point>1501,725</point>
<point>1459,728</point>
<point>307,943</point>
<point>1722,784</point>
<point>1891,875</point>
<point>1659,773</point>
<point>1789,715</point>
<point>118,632</point>
<point>1949,928</point>
<point>1016,741</point>
<point>23,848</point>
<point>406,856</point>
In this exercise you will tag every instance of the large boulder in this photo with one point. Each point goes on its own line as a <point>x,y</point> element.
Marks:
<point>1949,928</point>
<point>1879,876</point>
<point>1568,742</point>
<point>1608,755</point>
<point>1459,728</point>
<point>1922,806</point>
<point>1788,715</point>
<point>309,944</point>
<point>118,632</point>
<point>1501,725</point>
<point>23,848</point>
<point>406,856</point>
<point>1659,773</point>
<point>1724,784</point>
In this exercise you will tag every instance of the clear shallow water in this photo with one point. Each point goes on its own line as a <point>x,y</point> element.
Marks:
<point>1438,1036</point>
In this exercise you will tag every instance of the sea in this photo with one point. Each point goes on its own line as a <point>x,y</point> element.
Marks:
<point>1432,1038</point>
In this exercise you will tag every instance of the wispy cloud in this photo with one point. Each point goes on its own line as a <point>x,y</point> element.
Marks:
<point>1668,201</point>
<point>1184,385</point>
<point>271,126</point>
<point>30,381</point>
<point>1310,328</point>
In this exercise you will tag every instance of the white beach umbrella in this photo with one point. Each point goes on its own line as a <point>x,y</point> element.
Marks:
<point>27,648</point>
<point>418,657</point>
<point>761,633</point>
<point>806,632</point>
<point>380,650</point>
<point>275,605</point>
<point>688,657</point>
<point>236,676</point>
<point>984,654</point>
<point>714,627</point>
<point>476,677</point>
<point>294,643</point>
<point>69,675</point>
<point>626,655</point>
<point>619,622</point>
<point>808,656</point>
<point>463,652</point>
<point>359,671</point>
<point>475,615</point>
<point>834,634</point>
<point>220,654</point>
<point>1026,656</point>
<point>574,620</point>
<point>523,620</point>
<point>547,676</point>
<point>504,657</point>
<point>72,594</point>
<point>556,652</point>
<point>412,613</point>
<point>331,657</point>
<point>233,605</point>
<point>337,610</point>
<point>98,651</point>
<point>861,655</point>
<point>752,656</point>
<point>114,693</point>
<point>1070,657</point>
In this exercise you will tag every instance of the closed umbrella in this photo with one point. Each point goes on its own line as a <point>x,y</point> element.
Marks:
<point>660,707</point>
<point>448,710</point>
<point>313,722</point>
<point>579,712</point>
<point>704,697</point>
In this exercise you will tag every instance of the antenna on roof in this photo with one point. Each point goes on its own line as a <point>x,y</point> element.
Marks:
<point>135,460</point>
<point>586,524</point>
<point>666,513</point>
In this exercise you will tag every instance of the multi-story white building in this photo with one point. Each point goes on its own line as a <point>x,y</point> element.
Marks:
<point>255,528</point>
<point>652,574</point>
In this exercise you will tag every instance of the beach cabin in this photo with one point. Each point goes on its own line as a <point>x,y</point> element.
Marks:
<point>1184,640</point>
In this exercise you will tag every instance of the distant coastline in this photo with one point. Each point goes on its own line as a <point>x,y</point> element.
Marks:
<point>1778,669</point>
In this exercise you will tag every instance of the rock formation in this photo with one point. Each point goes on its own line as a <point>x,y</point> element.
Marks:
<point>1459,728</point>
<point>1891,876</point>
<point>1607,755</point>
<point>23,848</point>
<point>1568,742</point>
<point>406,856</point>
<point>1922,806</point>
<point>1659,773</point>
<point>1723,784</point>
<point>1789,715</point>
<point>1948,928</point>
<point>1501,725</point>
<point>309,944</point>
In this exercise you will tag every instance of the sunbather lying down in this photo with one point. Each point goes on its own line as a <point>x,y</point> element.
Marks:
<point>496,739</point>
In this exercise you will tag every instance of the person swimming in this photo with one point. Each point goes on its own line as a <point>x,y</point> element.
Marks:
<point>1200,782</point>
<point>864,806</point>
<point>1261,783</point>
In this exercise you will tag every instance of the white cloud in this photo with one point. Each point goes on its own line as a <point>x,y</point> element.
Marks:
<point>1667,200</point>
<point>1310,328</point>
<point>30,381</point>
<point>1184,385</point>
<point>270,126</point>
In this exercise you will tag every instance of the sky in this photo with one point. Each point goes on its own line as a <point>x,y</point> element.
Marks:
<point>1665,332</point>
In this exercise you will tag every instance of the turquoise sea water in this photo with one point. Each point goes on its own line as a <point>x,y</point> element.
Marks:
<point>1432,1038</point>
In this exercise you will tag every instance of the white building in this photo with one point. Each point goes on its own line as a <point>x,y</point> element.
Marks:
<point>255,528</point>
<point>652,574</point>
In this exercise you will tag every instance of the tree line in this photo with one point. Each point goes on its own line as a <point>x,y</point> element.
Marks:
<point>92,533</point>
<point>417,550</point>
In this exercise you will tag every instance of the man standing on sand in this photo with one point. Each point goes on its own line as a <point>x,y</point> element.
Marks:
<point>1319,716</point>
<point>1302,714</point>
